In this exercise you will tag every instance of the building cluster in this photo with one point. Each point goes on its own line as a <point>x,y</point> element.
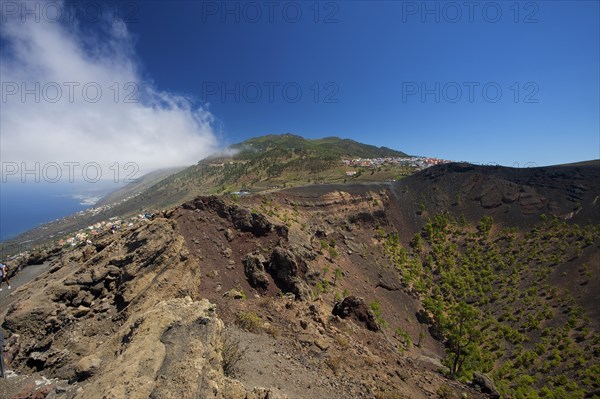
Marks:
<point>87,234</point>
<point>414,162</point>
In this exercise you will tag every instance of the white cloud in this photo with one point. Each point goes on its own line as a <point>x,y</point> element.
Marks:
<point>159,129</point>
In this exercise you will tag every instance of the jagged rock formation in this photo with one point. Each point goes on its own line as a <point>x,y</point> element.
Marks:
<point>356,308</point>
<point>289,272</point>
<point>254,267</point>
<point>119,315</point>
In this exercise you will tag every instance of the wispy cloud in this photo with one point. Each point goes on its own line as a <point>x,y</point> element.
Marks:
<point>75,94</point>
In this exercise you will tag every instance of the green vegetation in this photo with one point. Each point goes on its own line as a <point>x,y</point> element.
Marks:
<point>329,147</point>
<point>337,297</point>
<point>404,338</point>
<point>232,353</point>
<point>376,309</point>
<point>323,285</point>
<point>337,274</point>
<point>464,336</point>
<point>249,321</point>
<point>330,248</point>
<point>486,294</point>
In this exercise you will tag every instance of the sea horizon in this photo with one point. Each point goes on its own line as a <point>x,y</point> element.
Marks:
<point>25,206</point>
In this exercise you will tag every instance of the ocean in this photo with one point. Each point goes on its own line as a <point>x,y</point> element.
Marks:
<point>24,206</point>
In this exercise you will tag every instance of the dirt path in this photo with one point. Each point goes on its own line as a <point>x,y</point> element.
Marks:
<point>18,282</point>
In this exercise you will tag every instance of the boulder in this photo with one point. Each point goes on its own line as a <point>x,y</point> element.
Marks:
<point>85,279</point>
<point>83,298</point>
<point>64,293</point>
<point>98,289</point>
<point>255,271</point>
<point>260,225</point>
<point>233,293</point>
<point>289,272</point>
<point>208,203</point>
<point>355,307</point>
<point>81,311</point>
<point>113,270</point>
<point>86,367</point>
<point>99,274</point>
<point>241,218</point>
<point>486,385</point>
<point>244,220</point>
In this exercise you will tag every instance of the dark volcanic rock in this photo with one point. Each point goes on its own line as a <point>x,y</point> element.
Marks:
<point>356,308</point>
<point>255,271</point>
<point>208,203</point>
<point>288,272</point>
<point>245,220</point>
<point>40,256</point>
<point>241,218</point>
<point>260,225</point>
<point>282,231</point>
<point>514,196</point>
<point>368,218</point>
<point>486,385</point>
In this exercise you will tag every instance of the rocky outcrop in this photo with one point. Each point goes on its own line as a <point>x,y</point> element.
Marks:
<point>55,323</point>
<point>245,220</point>
<point>368,218</point>
<point>242,218</point>
<point>486,385</point>
<point>289,272</point>
<point>355,308</point>
<point>126,321</point>
<point>170,351</point>
<point>255,271</point>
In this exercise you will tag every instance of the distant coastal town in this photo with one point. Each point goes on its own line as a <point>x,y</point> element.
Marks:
<point>414,162</point>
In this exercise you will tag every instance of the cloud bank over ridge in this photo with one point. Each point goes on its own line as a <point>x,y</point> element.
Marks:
<point>75,94</point>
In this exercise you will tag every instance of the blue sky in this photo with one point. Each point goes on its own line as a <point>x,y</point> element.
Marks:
<point>212,73</point>
<point>371,52</point>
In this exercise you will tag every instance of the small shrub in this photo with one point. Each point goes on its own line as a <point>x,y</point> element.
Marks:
<point>249,321</point>
<point>333,253</point>
<point>404,337</point>
<point>337,297</point>
<point>444,392</point>
<point>232,354</point>
<point>376,308</point>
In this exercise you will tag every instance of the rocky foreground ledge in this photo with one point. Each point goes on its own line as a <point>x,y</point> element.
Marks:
<point>117,320</point>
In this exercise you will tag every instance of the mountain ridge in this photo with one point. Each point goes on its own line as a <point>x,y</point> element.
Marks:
<point>276,161</point>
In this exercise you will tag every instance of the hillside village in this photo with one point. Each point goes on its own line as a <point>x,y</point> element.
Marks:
<point>413,162</point>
